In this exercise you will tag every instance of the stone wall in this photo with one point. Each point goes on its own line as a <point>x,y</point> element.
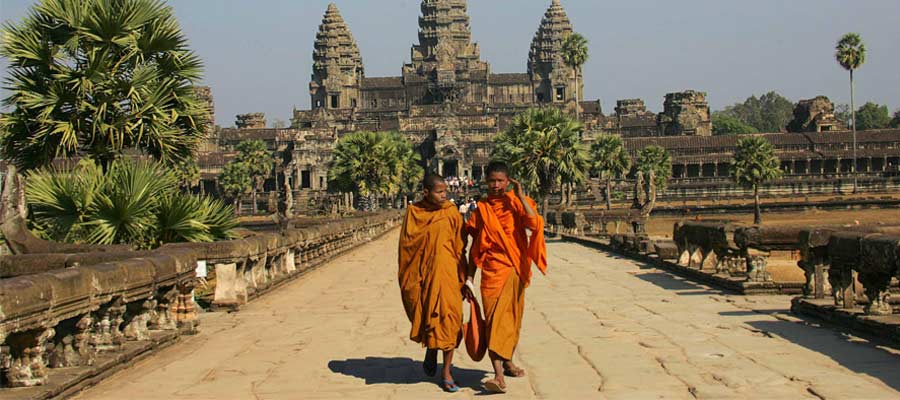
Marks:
<point>97,311</point>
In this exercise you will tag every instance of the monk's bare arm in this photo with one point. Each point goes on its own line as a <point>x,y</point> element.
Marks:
<point>517,189</point>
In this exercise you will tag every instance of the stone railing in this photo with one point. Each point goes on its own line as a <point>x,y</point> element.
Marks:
<point>92,311</point>
<point>732,248</point>
<point>595,222</point>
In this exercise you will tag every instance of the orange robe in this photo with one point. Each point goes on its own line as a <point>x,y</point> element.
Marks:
<point>504,252</point>
<point>431,274</point>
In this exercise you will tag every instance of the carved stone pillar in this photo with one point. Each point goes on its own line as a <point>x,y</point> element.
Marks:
<point>756,269</point>
<point>231,288</point>
<point>28,367</point>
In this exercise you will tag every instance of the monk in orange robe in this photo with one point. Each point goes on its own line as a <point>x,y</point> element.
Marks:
<point>432,269</point>
<point>504,252</point>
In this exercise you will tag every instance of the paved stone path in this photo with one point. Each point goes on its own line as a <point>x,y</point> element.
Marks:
<point>597,327</point>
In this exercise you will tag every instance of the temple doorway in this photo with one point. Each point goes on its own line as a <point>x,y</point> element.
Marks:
<point>450,168</point>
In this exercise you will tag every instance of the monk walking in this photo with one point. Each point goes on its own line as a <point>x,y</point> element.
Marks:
<point>504,252</point>
<point>432,268</point>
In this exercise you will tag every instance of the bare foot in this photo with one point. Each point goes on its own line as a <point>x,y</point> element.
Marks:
<point>512,370</point>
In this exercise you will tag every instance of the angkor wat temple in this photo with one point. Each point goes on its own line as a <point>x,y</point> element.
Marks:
<point>450,103</point>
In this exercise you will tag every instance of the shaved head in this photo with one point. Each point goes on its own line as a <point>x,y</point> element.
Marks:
<point>431,181</point>
<point>497,166</point>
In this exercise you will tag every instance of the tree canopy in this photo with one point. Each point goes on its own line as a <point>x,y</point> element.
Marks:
<point>656,159</point>
<point>543,150</point>
<point>768,113</point>
<point>872,116</point>
<point>374,164</point>
<point>726,125</point>
<point>96,77</point>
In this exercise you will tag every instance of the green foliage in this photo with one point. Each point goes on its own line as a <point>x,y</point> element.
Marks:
<point>755,162</point>
<point>872,116</point>
<point>843,114</point>
<point>96,77</point>
<point>235,180</point>
<point>658,160</point>
<point>256,158</point>
<point>726,125</point>
<point>609,159</point>
<point>543,150</point>
<point>575,50</point>
<point>134,202</point>
<point>895,122</point>
<point>768,113</point>
<point>850,51</point>
<point>374,163</point>
<point>187,172</point>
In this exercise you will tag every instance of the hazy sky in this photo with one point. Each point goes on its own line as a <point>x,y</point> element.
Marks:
<point>258,53</point>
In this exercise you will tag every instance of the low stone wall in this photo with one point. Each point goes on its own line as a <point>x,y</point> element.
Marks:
<point>65,323</point>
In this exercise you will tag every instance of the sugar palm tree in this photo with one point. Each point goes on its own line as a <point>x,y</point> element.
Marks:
<point>365,163</point>
<point>132,202</point>
<point>575,54</point>
<point>543,150</point>
<point>256,158</point>
<point>851,54</point>
<point>755,163</point>
<point>236,182</point>
<point>656,159</point>
<point>96,77</point>
<point>609,160</point>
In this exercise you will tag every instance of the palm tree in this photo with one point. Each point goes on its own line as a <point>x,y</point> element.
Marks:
<point>851,54</point>
<point>96,77</point>
<point>544,151</point>
<point>188,173</point>
<point>755,163</point>
<point>575,54</point>
<point>368,164</point>
<point>133,202</point>
<point>236,182</point>
<point>658,160</point>
<point>255,156</point>
<point>609,160</point>
<point>409,171</point>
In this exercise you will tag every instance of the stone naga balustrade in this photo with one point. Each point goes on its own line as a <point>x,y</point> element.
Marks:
<point>731,248</point>
<point>244,268</point>
<point>65,317</point>
<point>594,222</point>
<point>76,308</point>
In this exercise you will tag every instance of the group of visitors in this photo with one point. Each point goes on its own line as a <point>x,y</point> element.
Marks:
<point>436,276</point>
<point>458,184</point>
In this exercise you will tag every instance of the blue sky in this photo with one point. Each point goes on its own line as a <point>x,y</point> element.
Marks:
<point>258,53</point>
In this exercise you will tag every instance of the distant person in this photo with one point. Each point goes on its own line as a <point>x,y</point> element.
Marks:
<point>504,252</point>
<point>464,209</point>
<point>431,270</point>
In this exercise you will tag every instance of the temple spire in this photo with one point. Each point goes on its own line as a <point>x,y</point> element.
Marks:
<point>444,24</point>
<point>337,64</point>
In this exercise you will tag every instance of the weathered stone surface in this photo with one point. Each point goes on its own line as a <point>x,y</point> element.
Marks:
<point>596,326</point>
<point>815,115</point>
<point>685,113</point>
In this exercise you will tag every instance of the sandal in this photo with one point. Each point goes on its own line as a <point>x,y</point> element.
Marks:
<point>494,386</point>
<point>430,363</point>
<point>450,386</point>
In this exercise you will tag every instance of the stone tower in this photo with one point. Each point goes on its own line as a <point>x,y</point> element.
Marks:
<point>337,65</point>
<point>685,113</point>
<point>445,57</point>
<point>553,80</point>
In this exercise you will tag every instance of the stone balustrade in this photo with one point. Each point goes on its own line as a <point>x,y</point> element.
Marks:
<point>79,310</point>
<point>595,222</point>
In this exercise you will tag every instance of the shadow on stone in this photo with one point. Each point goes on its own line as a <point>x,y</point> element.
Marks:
<point>680,286</point>
<point>401,370</point>
<point>857,356</point>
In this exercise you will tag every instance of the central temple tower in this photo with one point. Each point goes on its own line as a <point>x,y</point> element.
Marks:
<point>445,65</point>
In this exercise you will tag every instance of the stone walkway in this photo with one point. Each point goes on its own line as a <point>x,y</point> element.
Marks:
<point>597,327</point>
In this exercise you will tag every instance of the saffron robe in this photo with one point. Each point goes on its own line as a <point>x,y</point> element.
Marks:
<point>431,274</point>
<point>504,252</point>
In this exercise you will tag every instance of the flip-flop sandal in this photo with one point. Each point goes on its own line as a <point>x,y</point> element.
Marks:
<point>494,387</point>
<point>429,366</point>
<point>450,387</point>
